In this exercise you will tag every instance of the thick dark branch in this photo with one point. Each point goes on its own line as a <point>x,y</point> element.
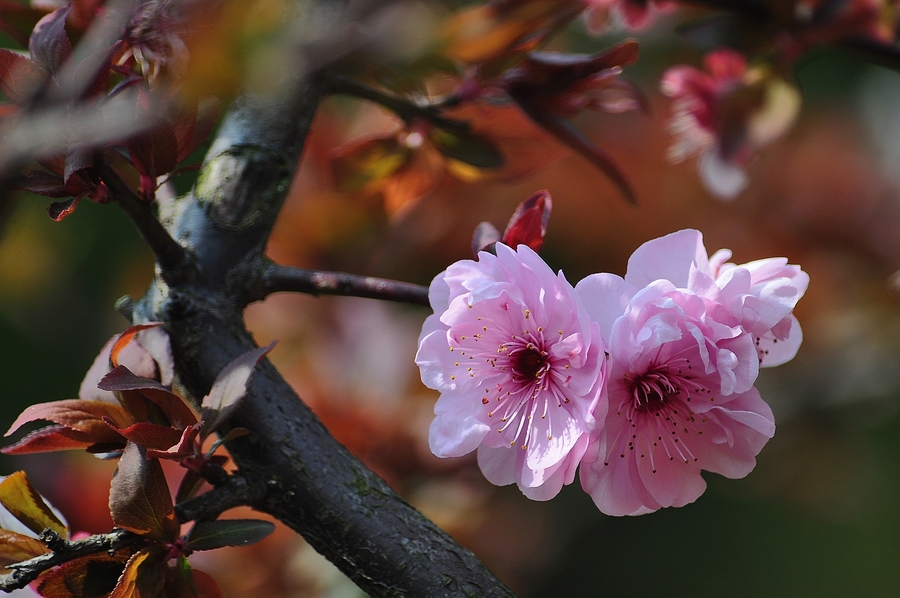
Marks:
<point>63,551</point>
<point>276,278</point>
<point>172,258</point>
<point>312,483</point>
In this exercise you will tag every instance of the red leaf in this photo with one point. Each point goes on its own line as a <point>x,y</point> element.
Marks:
<point>528,224</point>
<point>78,415</point>
<point>43,183</point>
<point>205,586</point>
<point>155,151</point>
<point>548,73</point>
<point>19,76</point>
<point>229,389</point>
<point>143,576</point>
<point>139,498</point>
<point>15,548</point>
<point>79,162</point>
<point>93,575</point>
<point>60,209</point>
<point>91,74</point>
<point>417,178</point>
<point>184,447</point>
<point>49,45</point>
<point>149,435</point>
<point>120,379</point>
<point>83,418</point>
<point>49,439</point>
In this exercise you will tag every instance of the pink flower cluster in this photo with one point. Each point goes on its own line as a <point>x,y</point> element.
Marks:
<point>643,381</point>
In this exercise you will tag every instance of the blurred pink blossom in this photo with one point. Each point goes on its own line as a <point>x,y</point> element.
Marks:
<point>520,368</point>
<point>623,14</point>
<point>724,115</point>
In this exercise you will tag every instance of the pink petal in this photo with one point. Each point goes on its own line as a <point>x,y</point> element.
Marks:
<point>605,298</point>
<point>669,257</point>
<point>455,435</point>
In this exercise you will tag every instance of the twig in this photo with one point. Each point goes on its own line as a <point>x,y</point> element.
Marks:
<point>27,571</point>
<point>877,51</point>
<point>405,109</point>
<point>276,278</point>
<point>237,491</point>
<point>172,258</point>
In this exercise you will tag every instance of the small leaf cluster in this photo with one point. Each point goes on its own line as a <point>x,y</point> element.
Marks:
<point>116,105</point>
<point>146,423</point>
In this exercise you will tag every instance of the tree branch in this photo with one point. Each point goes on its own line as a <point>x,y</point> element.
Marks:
<point>172,258</point>
<point>402,107</point>
<point>63,551</point>
<point>276,278</point>
<point>313,484</point>
<point>237,490</point>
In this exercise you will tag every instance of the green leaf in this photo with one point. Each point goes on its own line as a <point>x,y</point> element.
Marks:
<point>466,147</point>
<point>207,535</point>
<point>25,504</point>
<point>139,498</point>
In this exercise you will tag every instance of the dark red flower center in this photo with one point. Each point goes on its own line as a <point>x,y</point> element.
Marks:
<point>653,389</point>
<point>528,364</point>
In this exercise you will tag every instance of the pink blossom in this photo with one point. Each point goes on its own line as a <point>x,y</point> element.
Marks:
<point>760,294</point>
<point>519,366</point>
<point>724,115</point>
<point>680,392</point>
<point>627,14</point>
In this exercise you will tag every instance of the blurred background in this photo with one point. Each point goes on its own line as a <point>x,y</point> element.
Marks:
<point>820,514</point>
